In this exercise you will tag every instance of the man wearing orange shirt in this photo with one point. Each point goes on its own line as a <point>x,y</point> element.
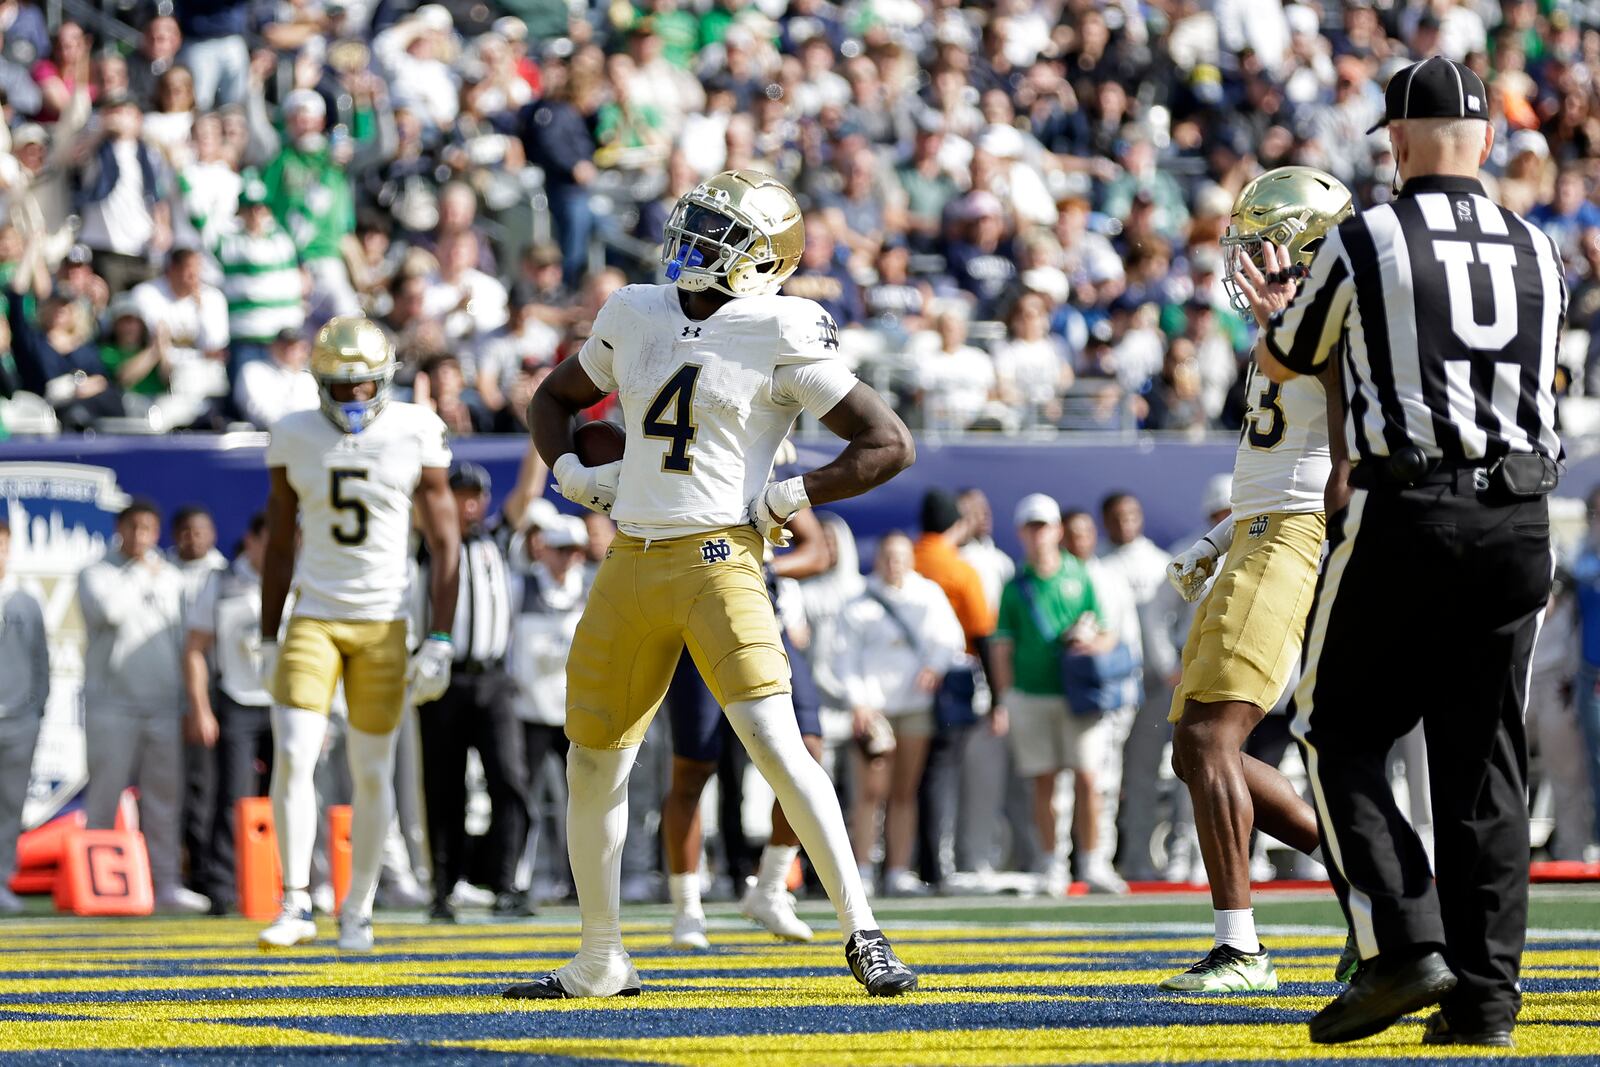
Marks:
<point>938,558</point>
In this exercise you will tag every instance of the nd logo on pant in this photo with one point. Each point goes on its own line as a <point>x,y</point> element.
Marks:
<point>715,551</point>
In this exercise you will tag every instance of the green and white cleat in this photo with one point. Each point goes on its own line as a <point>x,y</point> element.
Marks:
<point>1226,970</point>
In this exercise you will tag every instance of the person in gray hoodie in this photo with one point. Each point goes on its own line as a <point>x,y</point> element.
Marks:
<point>133,696</point>
<point>25,665</point>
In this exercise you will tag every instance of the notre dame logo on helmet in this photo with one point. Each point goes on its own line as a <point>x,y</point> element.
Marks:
<point>715,551</point>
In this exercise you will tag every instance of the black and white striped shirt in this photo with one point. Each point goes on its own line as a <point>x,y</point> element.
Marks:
<point>484,611</point>
<point>1445,311</point>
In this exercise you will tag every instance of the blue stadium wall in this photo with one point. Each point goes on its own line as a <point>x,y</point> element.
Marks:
<point>226,473</point>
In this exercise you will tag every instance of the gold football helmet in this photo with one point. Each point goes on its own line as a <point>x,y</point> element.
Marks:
<point>1294,208</point>
<point>351,349</point>
<point>739,232</point>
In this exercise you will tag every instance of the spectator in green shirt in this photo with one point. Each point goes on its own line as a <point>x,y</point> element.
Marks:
<point>1048,607</point>
<point>140,362</point>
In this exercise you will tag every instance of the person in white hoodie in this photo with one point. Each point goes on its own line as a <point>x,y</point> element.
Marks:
<point>133,698</point>
<point>899,638</point>
<point>228,717</point>
<point>25,665</point>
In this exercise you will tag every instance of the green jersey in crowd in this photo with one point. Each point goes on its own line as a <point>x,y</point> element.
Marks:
<point>1061,600</point>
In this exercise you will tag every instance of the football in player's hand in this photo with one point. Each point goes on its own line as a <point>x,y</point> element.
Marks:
<point>599,443</point>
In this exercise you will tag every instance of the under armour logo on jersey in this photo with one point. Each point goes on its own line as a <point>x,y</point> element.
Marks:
<point>596,502</point>
<point>1258,526</point>
<point>830,332</point>
<point>691,331</point>
<point>716,551</point>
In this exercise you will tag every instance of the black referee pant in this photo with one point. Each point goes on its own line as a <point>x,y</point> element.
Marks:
<point>475,712</point>
<point>1427,609</point>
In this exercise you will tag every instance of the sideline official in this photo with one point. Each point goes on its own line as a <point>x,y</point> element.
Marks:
<point>477,711</point>
<point>1444,311</point>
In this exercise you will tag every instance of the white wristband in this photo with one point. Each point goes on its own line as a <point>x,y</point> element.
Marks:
<point>787,497</point>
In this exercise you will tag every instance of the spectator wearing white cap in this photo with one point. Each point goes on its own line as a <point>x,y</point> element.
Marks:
<point>411,55</point>
<point>1048,609</point>
<point>1529,178</point>
<point>896,641</point>
<point>549,595</point>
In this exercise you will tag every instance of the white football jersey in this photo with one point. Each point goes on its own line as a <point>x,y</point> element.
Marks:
<point>1283,461</point>
<point>355,495</point>
<point>706,403</point>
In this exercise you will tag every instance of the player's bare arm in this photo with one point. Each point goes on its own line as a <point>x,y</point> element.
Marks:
<point>566,391</point>
<point>879,447</point>
<point>1337,494</point>
<point>277,568</point>
<point>808,550</point>
<point>436,510</point>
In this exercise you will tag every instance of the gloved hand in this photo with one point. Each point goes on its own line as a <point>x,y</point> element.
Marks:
<point>428,674</point>
<point>1189,571</point>
<point>268,657</point>
<point>594,488</point>
<point>774,506</point>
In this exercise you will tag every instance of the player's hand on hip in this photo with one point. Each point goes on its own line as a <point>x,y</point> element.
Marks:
<point>1188,571</point>
<point>428,674</point>
<point>776,505</point>
<point>594,488</point>
<point>1271,290</point>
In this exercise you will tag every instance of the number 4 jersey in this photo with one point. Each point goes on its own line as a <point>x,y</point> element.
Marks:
<point>355,495</point>
<point>707,401</point>
<point>1283,461</point>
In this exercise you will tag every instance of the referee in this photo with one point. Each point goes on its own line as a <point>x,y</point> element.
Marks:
<point>1443,311</point>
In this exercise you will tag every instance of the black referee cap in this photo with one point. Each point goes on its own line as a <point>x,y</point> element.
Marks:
<point>464,474</point>
<point>1436,88</point>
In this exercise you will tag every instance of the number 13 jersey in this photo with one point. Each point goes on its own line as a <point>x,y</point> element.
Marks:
<point>1283,461</point>
<point>355,495</point>
<point>707,402</point>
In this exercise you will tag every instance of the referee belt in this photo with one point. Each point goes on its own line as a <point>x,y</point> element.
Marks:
<point>1524,478</point>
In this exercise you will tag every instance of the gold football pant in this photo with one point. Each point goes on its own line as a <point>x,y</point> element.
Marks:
<point>650,601</point>
<point>369,656</point>
<point>1245,639</point>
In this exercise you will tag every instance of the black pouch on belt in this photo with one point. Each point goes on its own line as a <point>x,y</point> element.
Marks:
<point>1526,475</point>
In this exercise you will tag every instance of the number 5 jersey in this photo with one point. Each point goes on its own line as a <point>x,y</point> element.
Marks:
<point>355,495</point>
<point>706,402</point>
<point>1283,461</point>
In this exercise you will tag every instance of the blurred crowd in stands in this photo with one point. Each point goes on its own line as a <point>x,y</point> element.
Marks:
<point>1013,208</point>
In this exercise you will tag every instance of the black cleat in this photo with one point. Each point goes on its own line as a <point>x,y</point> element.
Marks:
<point>549,987</point>
<point>1380,996</point>
<point>1349,961</point>
<point>875,965</point>
<point>512,905</point>
<point>441,911</point>
<point>1436,1031</point>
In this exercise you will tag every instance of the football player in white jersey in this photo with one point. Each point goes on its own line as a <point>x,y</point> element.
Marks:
<point>712,372</point>
<point>1245,639</point>
<point>351,473</point>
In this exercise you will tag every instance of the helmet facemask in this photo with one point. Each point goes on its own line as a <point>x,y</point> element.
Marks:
<point>1238,247</point>
<point>711,244</point>
<point>353,416</point>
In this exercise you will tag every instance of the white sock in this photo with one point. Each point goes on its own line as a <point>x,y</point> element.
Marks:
<point>371,810</point>
<point>1237,929</point>
<point>772,877</point>
<point>685,892</point>
<point>297,737</point>
<point>597,823</point>
<point>770,735</point>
